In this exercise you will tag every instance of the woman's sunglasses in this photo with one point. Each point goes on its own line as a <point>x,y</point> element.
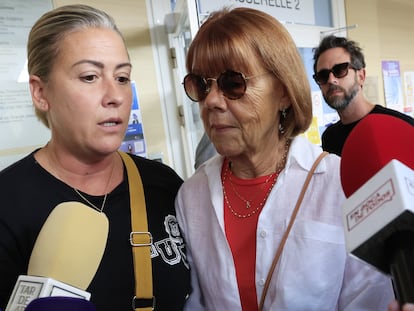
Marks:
<point>231,83</point>
<point>339,71</point>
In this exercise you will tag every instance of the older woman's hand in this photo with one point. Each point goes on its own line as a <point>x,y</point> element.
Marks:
<point>393,306</point>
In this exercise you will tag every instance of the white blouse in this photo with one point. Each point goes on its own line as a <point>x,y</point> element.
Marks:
<point>314,271</point>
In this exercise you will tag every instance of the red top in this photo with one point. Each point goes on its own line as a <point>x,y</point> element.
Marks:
<point>241,226</point>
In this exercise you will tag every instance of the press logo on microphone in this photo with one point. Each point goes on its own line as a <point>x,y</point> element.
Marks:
<point>380,196</point>
<point>30,287</point>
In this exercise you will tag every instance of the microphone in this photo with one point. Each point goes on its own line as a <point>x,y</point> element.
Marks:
<point>65,256</point>
<point>377,177</point>
<point>60,304</point>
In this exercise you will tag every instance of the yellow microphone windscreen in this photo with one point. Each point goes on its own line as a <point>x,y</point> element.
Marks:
<point>70,245</point>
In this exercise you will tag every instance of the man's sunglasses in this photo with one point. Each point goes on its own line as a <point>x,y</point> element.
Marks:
<point>231,83</point>
<point>339,71</point>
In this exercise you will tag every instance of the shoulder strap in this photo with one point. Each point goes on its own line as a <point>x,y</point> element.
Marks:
<point>140,239</point>
<point>292,220</point>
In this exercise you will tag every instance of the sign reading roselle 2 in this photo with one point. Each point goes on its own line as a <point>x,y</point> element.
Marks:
<point>288,11</point>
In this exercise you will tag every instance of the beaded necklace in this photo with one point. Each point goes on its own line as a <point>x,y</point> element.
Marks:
<point>272,177</point>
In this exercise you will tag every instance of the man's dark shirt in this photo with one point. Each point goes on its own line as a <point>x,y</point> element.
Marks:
<point>333,138</point>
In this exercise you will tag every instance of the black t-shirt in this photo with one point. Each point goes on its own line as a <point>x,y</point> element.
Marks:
<point>333,138</point>
<point>29,193</point>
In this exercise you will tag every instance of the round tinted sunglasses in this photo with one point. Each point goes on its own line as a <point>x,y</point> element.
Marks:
<point>231,83</point>
<point>339,71</point>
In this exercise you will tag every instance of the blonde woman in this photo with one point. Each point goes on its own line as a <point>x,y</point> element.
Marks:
<point>80,75</point>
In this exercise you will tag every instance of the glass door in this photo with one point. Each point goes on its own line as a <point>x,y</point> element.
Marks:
<point>191,125</point>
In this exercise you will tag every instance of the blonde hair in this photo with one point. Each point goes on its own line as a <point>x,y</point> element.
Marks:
<point>49,30</point>
<point>229,38</point>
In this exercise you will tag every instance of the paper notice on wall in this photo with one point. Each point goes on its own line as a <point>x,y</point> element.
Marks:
<point>409,92</point>
<point>20,130</point>
<point>392,85</point>
<point>134,140</point>
<point>313,134</point>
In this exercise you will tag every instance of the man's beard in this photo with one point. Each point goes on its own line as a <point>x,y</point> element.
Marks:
<point>339,103</point>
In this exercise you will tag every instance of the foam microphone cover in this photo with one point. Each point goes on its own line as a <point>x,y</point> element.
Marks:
<point>375,140</point>
<point>60,304</point>
<point>70,245</point>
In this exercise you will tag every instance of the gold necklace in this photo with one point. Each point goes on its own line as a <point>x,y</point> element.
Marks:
<point>105,196</point>
<point>279,168</point>
<point>257,208</point>
<point>90,203</point>
<point>249,202</point>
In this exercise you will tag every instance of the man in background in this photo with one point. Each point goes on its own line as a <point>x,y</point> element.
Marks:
<point>339,68</point>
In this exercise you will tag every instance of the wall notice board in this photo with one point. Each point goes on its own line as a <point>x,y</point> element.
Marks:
<point>20,131</point>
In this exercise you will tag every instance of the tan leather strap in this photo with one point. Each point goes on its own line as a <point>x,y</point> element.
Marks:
<point>292,220</point>
<point>140,239</point>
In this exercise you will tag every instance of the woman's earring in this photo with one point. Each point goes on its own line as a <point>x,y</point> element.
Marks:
<point>282,120</point>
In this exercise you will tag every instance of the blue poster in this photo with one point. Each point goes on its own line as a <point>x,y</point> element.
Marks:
<point>392,85</point>
<point>134,141</point>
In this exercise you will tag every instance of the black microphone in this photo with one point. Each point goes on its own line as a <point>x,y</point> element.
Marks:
<point>378,180</point>
<point>60,304</point>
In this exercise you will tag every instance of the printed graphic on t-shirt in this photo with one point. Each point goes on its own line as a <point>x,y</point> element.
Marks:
<point>171,249</point>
